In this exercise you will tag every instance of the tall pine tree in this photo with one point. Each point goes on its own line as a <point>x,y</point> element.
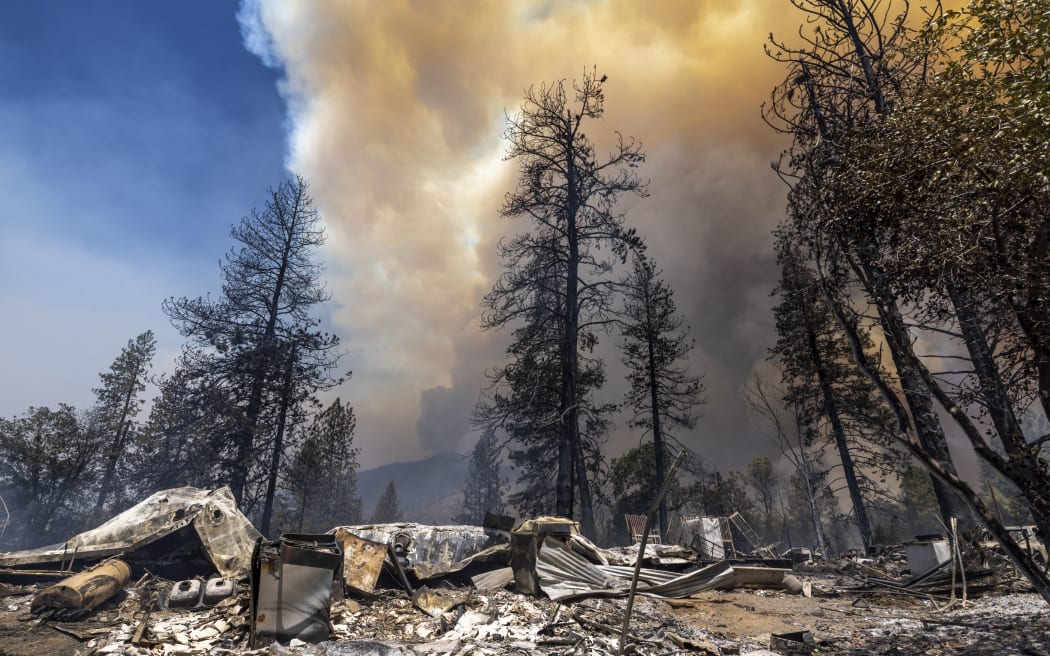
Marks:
<point>575,233</point>
<point>259,342</point>
<point>663,395</point>
<point>116,408</point>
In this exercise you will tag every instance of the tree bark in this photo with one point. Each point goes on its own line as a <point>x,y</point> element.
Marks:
<point>996,399</point>
<point>278,445</point>
<point>860,513</point>
<point>917,395</point>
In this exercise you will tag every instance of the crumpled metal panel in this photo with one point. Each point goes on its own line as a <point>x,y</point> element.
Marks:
<point>566,575</point>
<point>226,534</point>
<point>362,560</point>
<point>432,550</point>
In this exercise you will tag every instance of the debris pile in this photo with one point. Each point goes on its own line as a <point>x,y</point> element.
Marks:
<point>531,587</point>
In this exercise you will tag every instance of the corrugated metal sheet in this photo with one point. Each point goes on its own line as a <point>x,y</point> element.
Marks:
<point>567,575</point>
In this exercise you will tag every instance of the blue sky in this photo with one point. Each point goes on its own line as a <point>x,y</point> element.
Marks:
<point>133,135</point>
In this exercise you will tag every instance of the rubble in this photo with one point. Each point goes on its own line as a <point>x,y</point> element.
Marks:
<point>539,588</point>
<point>79,594</point>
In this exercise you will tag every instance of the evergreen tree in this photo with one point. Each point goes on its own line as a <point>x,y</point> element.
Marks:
<point>837,401</point>
<point>322,476</point>
<point>483,491</point>
<point>387,509</point>
<point>258,343</point>
<point>663,396</point>
<point>45,459</point>
<point>116,408</point>
<point>569,196</point>
<point>524,400</point>
<point>180,433</point>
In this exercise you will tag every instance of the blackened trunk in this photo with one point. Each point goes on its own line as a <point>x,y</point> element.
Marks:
<point>996,399</point>
<point>278,445</point>
<point>839,433</point>
<point>658,439</point>
<point>917,395</point>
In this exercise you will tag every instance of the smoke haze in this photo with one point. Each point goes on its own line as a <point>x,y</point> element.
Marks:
<point>395,111</point>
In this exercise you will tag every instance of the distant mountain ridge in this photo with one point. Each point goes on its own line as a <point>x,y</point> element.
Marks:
<point>429,491</point>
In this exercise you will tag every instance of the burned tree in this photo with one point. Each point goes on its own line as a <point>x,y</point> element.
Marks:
<point>568,194</point>
<point>663,395</point>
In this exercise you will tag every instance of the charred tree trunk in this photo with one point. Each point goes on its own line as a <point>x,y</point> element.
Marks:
<point>917,395</point>
<point>278,445</point>
<point>570,446</point>
<point>568,411</point>
<point>1019,454</point>
<point>839,433</point>
<point>658,439</point>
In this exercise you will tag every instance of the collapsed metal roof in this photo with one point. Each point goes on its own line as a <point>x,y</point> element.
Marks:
<point>225,534</point>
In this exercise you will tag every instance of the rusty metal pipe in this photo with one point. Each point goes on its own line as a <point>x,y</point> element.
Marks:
<point>85,590</point>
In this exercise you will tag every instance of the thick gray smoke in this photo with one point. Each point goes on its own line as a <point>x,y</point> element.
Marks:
<point>395,113</point>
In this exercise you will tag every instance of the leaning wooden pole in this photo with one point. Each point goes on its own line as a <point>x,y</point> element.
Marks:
<point>641,546</point>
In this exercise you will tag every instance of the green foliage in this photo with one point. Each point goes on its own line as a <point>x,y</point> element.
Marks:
<point>113,417</point>
<point>920,504</point>
<point>45,458</point>
<point>634,486</point>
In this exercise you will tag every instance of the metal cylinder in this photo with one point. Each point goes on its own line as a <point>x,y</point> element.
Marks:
<point>85,590</point>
